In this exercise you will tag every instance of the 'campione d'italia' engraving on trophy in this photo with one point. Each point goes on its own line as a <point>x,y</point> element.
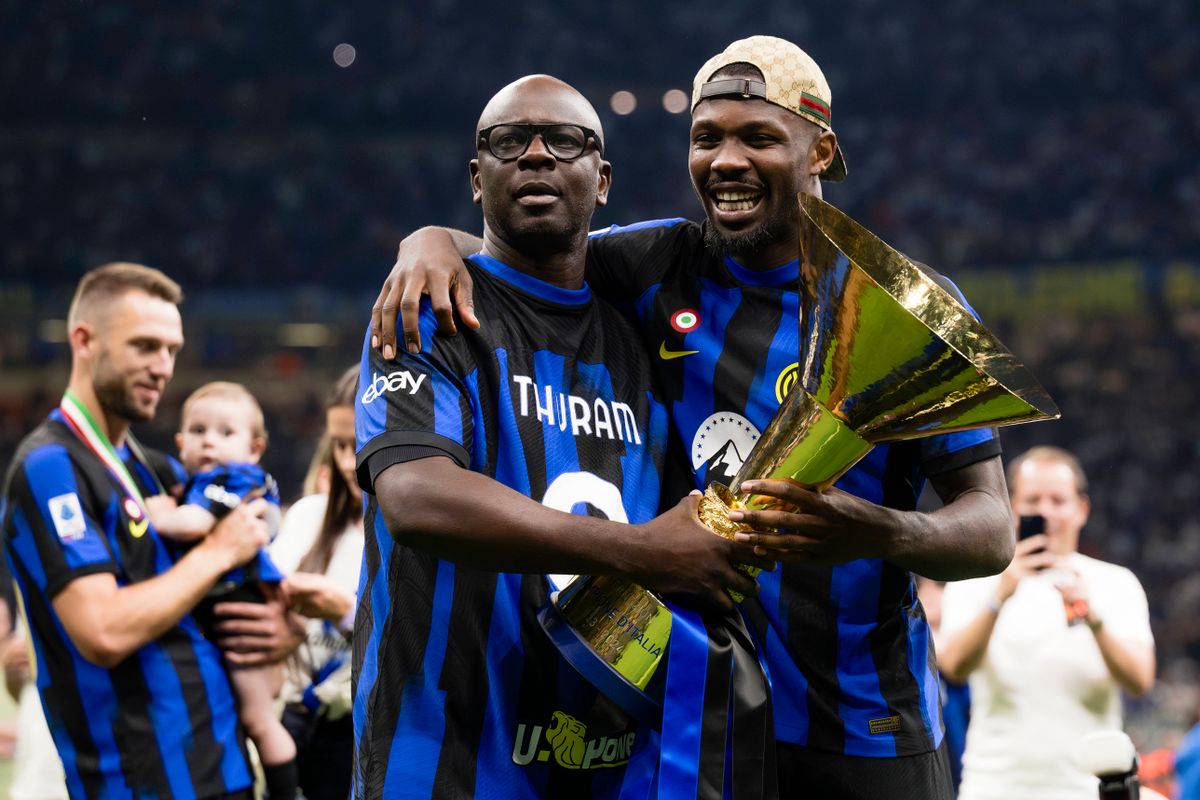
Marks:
<point>629,625</point>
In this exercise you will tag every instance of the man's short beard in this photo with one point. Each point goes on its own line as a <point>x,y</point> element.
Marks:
<point>116,401</point>
<point>540,239</point>
<point>114,395</point>
<point>541,244</point>
<point>741,245</point>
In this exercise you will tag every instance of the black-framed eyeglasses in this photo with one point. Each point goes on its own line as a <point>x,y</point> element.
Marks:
<point>510,140</point>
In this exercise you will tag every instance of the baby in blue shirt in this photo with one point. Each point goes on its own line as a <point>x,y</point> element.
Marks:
<point>221,439</point>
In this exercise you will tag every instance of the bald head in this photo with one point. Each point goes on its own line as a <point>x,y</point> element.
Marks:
<point>540,99</point>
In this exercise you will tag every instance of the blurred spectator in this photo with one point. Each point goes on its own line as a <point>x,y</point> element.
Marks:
<point>956,696</point>
<point>222,139</point>
<point>37,771</point>
<point>320,472</point>
<point>1048,644</point>
<point>320,548</point>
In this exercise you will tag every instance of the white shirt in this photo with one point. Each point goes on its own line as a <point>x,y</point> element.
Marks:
<point>323,642</point>
<point>298,532</point>
<point>1042,684</point>
<point>37,770</point>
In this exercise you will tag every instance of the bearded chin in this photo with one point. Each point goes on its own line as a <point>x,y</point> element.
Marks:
<point>745,243</point>
<point>116,400</point>
<point>543,243</point>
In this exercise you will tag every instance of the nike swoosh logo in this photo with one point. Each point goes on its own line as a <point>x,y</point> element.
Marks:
<point>667,355</point>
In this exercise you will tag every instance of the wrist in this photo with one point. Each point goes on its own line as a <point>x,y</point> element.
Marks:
<point>994,604</point>
<point>220,559</point>
<point>628,553</point>
<point>1079,612</point>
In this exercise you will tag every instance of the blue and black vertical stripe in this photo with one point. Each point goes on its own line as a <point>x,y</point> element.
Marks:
<point>162,722</point>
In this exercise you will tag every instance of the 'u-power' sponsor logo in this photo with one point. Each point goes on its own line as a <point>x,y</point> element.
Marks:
<point>566,741</point>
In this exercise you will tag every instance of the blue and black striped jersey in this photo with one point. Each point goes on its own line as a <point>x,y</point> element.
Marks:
<point>162,723</point>
<point>155,471</point>
<point>847,648</point>
<point>223,488</point>
<point>459,692</point>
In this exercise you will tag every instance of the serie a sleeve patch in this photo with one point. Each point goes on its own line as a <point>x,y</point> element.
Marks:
<point>67,515</point>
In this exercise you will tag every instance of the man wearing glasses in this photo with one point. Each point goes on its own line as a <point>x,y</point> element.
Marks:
<point>495,458</point>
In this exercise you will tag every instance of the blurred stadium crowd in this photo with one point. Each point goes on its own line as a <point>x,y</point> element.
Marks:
<point>216,136</point>
<point>221,143</point>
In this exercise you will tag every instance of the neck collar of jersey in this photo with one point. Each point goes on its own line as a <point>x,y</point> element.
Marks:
<point>532,285</point>
<point>776,276</point>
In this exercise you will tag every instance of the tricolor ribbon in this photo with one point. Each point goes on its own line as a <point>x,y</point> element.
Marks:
<point>83,425</point>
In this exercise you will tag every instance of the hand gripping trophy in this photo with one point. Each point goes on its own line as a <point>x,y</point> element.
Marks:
<point>885,354</point>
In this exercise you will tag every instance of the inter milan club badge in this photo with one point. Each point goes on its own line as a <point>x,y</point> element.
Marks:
<point>137,525</point>
<point>786,380</point>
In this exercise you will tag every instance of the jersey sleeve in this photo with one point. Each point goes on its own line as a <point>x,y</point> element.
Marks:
<point>955,450</point>
<point>55,535</point>
<point>951,451</point>
<point>624,260</point>
<point>418,405</point>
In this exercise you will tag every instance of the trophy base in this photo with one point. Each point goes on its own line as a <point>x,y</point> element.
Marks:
<point>614,633</point>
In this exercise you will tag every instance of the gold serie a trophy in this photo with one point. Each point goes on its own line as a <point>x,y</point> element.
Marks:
<point>886,354</point>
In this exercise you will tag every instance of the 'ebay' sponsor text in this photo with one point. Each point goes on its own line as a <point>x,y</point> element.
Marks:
<point>396,381</point>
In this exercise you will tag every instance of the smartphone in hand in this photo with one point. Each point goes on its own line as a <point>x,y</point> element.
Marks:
<point>1031,525</point>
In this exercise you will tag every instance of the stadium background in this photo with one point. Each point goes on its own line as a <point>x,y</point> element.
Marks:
<point>1045,156</point>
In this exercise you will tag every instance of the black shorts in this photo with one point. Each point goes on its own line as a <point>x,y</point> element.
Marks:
<point>806,774</point>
